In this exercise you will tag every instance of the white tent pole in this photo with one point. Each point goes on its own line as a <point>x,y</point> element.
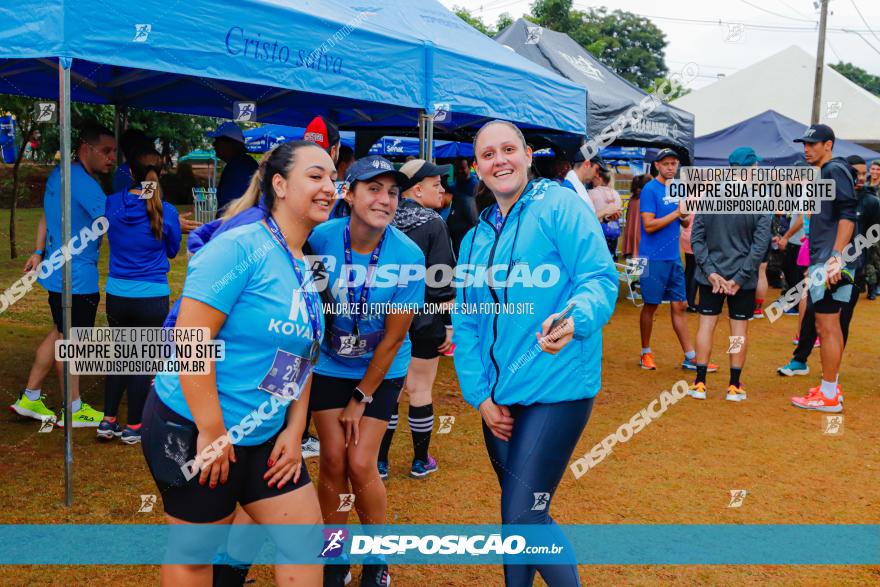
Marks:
<point>422,130</point>
<point>67,274</point>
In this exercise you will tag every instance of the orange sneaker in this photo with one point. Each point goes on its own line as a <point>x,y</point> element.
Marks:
<point>816,400</point>
<point>735,394</point>
<point>647,362</point>
<point>691,365</point>
<point>697,390</point>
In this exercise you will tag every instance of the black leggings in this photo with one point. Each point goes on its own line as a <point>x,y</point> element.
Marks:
<point>131,312</point>
<point>533,462</point>
<point>690,283</point>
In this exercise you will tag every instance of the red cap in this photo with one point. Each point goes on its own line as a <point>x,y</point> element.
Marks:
<point>322,133</point>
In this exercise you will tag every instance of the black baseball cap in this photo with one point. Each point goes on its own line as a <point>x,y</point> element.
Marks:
<point>597,159</point>
<point>373,166</point>
<point>664,153</point>
<point>418,169</point>
<point>817,133</point>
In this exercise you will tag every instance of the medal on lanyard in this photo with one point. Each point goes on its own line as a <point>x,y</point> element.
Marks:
<point>499,220</point>
<point>352,345</point>
<point>310,297</point>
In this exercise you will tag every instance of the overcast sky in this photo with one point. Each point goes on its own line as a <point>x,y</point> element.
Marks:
<point>723,48</point>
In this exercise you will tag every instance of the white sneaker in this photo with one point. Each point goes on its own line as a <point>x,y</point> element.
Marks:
<point>311,447</point>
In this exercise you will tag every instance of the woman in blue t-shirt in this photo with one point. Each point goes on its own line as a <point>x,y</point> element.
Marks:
<point>144,233</point>
<point>365,356</point>
<point>233,436</point>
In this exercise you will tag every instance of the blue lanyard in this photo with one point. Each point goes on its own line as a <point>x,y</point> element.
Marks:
<point>311,298</point>
<point>371,269</point>
<point>499,220</point>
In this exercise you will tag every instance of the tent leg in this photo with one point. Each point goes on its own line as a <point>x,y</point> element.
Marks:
<point>421,134</point>
<point>429,140</point>
<point>67,274</point>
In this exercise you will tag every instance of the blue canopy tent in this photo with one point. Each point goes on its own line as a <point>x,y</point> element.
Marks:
<point>263,138</point>
<point>772,137</point>
<point>373,67</point>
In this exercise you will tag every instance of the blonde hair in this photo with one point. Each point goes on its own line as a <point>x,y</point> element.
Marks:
<point>142,171</point>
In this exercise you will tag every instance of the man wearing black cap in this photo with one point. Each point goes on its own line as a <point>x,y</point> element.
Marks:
<point>831,230</point>
<point>582,174</point>
<point>663,277</point>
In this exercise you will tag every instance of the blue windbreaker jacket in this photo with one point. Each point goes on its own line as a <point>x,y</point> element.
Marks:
<point>496,353</point>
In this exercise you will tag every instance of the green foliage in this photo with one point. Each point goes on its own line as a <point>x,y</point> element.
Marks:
<point>859,76</point>
<point>629,44</point>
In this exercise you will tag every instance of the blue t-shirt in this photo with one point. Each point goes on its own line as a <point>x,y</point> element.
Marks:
<point>87,201</point>
<point>246,275</point>
<point>662,245</point>
<point>398,249</point>
<point>235,179</point>
<point>122,179</point>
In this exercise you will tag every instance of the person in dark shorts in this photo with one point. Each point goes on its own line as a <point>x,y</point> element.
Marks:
<point>728,251</point>
<point>96,155</point>
<point>830,279</point>
<point>431,331</point>
<point>232,436</point>
<point>366,355</point>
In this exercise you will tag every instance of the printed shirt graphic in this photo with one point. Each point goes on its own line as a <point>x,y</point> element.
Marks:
<point>87,201</point>
<point>398,249</point>
<point>247,276</point>
<point>663,244</point>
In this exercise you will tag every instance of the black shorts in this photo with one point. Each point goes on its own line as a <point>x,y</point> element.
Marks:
<point>827,305</point>
<point>334,393</point>
<point>84,310</point>
<point>164,431</point>
<point>739,307</point>
<point>425,347</point>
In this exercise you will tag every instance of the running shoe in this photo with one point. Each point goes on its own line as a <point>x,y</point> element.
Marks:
<point>692,365</point>
<point>109,430</point>
<point>85,417</point>
<point>337,575</point>
<point>450,352</point>
<point>796,340</point>
<point>35,409</point>
<point>647,362</point>
<point>383,469</point>
<point>311,447</point>
<point>130,435</point>
<point>422,468</point>
<point>735,394</point>
<point>697,391</point>
<point>375,576</point>
<point>816,400</point>
<point>793,311</point>
<point>794,368</point>
<point>818,342</point>
<point>759,312</point>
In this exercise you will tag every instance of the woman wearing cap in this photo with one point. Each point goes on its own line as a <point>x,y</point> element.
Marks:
<point>144,233</point>
<point>365,356</point>
<point>202,443</point>
<point>533,385</point>
<point>430,332</point>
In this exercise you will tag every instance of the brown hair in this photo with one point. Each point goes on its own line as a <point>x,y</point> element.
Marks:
<point>483,196</point>
<point>638,182</point>
<point>142,170</point>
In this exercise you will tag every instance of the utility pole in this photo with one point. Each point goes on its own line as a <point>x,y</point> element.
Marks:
<point>820,64</point>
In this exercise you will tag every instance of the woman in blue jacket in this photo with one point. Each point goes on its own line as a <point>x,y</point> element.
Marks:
<point>144,234</point>
<point>541,251</point>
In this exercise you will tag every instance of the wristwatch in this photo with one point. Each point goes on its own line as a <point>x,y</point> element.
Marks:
<point>361,397</point>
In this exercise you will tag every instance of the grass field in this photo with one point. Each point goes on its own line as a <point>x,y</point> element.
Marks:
<point>678,470</point>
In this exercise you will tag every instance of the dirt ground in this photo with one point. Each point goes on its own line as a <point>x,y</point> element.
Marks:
<point>678,470</point>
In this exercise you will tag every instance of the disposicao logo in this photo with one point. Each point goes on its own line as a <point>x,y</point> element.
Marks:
<point>334,542</point>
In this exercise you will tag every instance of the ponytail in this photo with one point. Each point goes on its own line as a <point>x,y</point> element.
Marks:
<point>143,169</point>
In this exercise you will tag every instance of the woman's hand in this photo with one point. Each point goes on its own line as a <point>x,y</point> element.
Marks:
<point>497,418</point>
<point>555,341</point>
<point>215,464</point>
<point>32,263</point>
<point>285,462</point>
<point>447,342</point>
<point>350,418</point>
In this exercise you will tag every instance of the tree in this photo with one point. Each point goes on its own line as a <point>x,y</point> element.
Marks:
<point>675,89</point>
<point>23,110</point>
<point>474,21</point>
<point>629,44</point>
<point>859,76</point>
<point>504,21</point>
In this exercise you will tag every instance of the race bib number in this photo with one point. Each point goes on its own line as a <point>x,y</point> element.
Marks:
<point>288,376</point>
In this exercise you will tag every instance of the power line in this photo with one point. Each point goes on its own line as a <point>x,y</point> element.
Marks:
<point>863,19</point>
<point>868,43</point>
<point>746,2</point>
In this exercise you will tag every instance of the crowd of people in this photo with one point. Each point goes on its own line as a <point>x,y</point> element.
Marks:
<point>334,223</point>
